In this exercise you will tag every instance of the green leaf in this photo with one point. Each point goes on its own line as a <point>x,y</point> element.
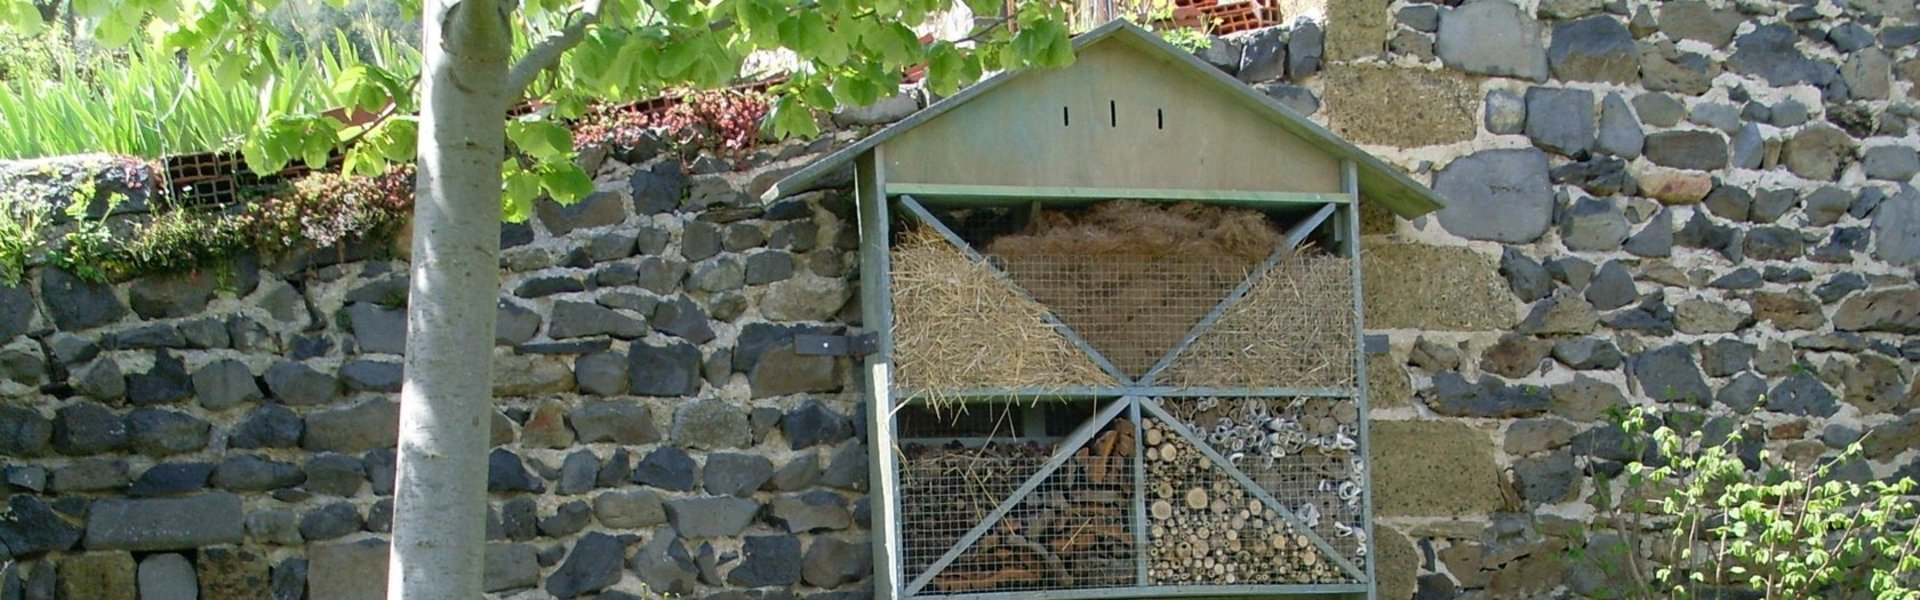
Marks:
<point>541,139</point>
<point>679,57</point>
<point>792,119</point>
<point>565,181</point>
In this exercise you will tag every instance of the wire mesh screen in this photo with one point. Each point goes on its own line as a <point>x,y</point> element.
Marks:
<point>1074,531</point>
<point>947,489</point>
<point>1207,529</point>
<point>1293,329</point>
<point>1132,309</point>
<point>960,325</point>
<point>1302,451</point>
<point>984,421</point>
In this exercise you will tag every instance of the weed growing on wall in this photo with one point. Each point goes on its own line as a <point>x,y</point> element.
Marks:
<point>1700,518</point>
<point>724,122</point>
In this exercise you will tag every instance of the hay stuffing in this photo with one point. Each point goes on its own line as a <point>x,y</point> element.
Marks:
<point>1132,277</point>
<point>959,325</point>
<point>1293,329</point>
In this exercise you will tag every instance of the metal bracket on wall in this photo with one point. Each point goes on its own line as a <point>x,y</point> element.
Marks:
<point>808,344</point>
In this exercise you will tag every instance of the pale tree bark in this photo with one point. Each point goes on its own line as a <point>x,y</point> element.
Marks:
<point>440,497</point>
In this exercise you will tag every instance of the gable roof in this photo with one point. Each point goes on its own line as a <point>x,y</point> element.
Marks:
<point>1379,181</point>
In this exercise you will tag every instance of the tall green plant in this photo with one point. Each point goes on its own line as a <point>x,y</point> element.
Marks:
<point>1715,523</point>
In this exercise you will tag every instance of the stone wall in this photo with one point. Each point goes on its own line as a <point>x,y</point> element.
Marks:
<point>1698,205</point>
<point>231,431</point>
<point>1705,206</point>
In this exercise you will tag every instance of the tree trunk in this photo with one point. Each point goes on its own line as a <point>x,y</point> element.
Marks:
<point>440,499</point>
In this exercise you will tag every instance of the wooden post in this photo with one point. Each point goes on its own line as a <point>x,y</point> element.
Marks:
<point>1350,182</point>
<point>876,312</point>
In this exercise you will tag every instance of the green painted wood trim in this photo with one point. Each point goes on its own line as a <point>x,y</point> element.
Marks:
<point>927,219</point>
<point>1009,195</point>
<point>993,395</point>
<point>1294,237</point>
<point>1166,591</point>
<point>1061,454</point>
<point>1351,181</point>
<point>876,308</point>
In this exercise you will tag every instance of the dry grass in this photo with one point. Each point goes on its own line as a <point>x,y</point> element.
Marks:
<point>1293,329</point>
<point>959,325</point>
<point>1421,286</point>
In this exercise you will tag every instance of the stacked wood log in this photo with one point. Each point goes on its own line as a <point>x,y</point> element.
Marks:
<point>945,490</point>
<point>1072,532</point>
<point>1205,529</point>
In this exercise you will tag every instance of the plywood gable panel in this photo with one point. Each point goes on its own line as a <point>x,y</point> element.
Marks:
<point>1117,118</point>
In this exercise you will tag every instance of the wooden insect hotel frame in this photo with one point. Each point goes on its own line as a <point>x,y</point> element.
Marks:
<point>1118,338</point>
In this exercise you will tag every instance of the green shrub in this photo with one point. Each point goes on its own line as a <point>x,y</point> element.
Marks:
<point>1699,520</point>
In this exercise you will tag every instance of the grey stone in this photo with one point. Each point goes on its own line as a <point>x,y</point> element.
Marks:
<point>506,473</point>
<point>166,382</point>
<point>297,384</point>
<point>1620,133</point>
<point>1789,113</point>
<point>596,210</point>
<point>1593,225</point>
<point>1489,397</point>
<point>1596,48</point>
<point>155,524</point>
<point>269,426</point>
<point>514,324</point>
<point>31,527</point>
<point>629,509</point>
<point>768,560</point>
<point>1818,152</point>
<point>1717,115</point>
<point>1688,149</point>
<point>831,562</point>
<point>664,565</point>
<point>1868,74</point>
<point>1561,120</point>
<point>1506,112</point>
<point>358,428</point>
<point>274,526</point>
<point>1729,202</point>
<point>1514,356</point>
<point>680,316</point>
<point>1897,239</point>
<point>667,468</point>
<point>1749,148</point>
<point>1669,374</point>
<point>102,380</point>
<point>798,474</point>
<point>814,424</point>
<point>1612,287</point>
<point>623,422</point>
<point>1664,68</point>
<point>672,369</point>
<point>709,424</point>
<point>170,296</point>
<point>724,516</point>
<point>1490,37</point>
<point>805,299</point>
<point>250,473</point>
<point>1726,357</point>
<point>168,577</point>
<point>1497,195</point>
<point>330,521</point>
<point>1768,52</point>
<point>224,384</point>
<point>1772,204</point>
<point>1694,20</point>
<point>1524,276</point>
<point>781,371</point>
<point>1774,243</point>
<point>723,274</point>
<point>91,475</point>
<point>157,432</point>
<point>847,469</point>
<point>1264,56</point>
<point>567,519</point>
<point>1659,110</point>
<point>601,373</point>
<point>1305,45</point>
<point>24,433</point>
<point>335,475</point>
<point>510,567</point>
<point>1655,240</point>
<point>371,376</point>
<point>1839,286</point>
<point>732,474</point>
<point>170,479</point>
<point>1587,353</point>
<point>1419,17</point>
<point>1546,479</point>
<point>86,428</point>
<point>82,304</point>
<point>814,511</point>
<point>16,310</point>
<point>548,285</point>
<point>1294,96</point>
<point>581,319</point>
<point>1891,163</point>
<point>1804,395</point>
<point>378,329</point>
<point>1560,314</point>
<point>355,570</point>
<point>768,267</point>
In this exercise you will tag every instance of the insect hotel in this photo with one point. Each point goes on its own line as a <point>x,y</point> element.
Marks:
<point>1116,336</point>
